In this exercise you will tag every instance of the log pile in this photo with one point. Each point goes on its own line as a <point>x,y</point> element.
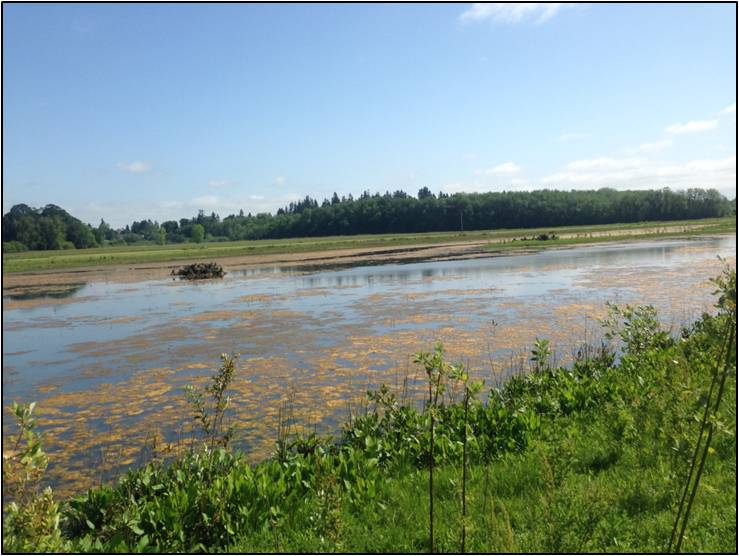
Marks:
<point>199,271</point>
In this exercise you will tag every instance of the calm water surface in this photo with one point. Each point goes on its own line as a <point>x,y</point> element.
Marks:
<point>108,363</point>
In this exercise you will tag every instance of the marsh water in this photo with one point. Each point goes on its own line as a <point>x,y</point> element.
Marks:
<point>107,362</point>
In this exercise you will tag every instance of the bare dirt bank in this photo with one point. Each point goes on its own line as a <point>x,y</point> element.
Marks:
<point>158,270</point>
<point>22,282</point>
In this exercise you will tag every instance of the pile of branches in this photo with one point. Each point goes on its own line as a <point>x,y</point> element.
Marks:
<point>540,237</point>
<point>199,271</point>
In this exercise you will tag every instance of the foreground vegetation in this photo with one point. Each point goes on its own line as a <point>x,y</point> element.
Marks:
<point>635,453</point>
<point>500,240</point>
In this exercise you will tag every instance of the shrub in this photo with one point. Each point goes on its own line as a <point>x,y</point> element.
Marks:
<point>31,522</point>
<point>211,416</point>
<point>14,247</point>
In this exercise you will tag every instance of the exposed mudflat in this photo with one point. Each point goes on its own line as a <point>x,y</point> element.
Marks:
<point>312,261</point>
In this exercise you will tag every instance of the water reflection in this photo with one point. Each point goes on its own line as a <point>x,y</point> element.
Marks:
<point>95,362</point>
<point>44,337</point>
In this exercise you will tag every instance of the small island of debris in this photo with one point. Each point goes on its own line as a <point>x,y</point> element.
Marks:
<point>199,271</point>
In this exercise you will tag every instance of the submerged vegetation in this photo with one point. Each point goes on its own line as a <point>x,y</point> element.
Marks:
<point>631,449</point>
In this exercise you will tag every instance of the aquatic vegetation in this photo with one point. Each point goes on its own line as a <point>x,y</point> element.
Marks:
<point>137,379</point>
<point>587,458</point>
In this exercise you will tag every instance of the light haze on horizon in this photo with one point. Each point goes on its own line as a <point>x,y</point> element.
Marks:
<point>138,111</point>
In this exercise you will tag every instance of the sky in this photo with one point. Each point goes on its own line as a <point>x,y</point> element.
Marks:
<point>127,112</point>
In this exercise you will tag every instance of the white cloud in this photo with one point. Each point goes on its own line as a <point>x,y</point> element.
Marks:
<point>573,136</point>
<point>729,109</point>
<point>484,186</point>
<point>469,156</point>
<point>136,167</point>
<point>655,146</point>
<point>694,126</point>
<point>640,173</point>
<point>604,163</point>
<point>118,214</point>
<point>454,187</point>
<point>511,13</point>
<point>206,201</point>
<point>701,171</point>
<point>279,181</point>
<point>505,169</point>
<point>218,183</point>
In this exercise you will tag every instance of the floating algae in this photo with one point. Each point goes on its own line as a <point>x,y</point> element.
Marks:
<point>312,341</point>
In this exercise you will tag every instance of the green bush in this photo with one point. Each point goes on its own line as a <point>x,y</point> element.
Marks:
<point>14,247</point>
<point>31,520</point>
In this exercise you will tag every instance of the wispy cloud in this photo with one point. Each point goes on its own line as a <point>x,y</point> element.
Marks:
<point>484,186</point>
<point>643,173</point>
<point>136,167</point>
<point>453,187</point>
<point>206,201</point>
<point>510,13</point>
<point>218,183</point>
<point>603,163</point>
<point>655,146</point>
<point>729,109</point>
<point>572,136</point>
<point>119,213</point>
<point>505,169</point>
<point>695,126</point>
<point>279,181</point>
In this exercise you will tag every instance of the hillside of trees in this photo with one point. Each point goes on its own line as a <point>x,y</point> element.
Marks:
<point>53,228</point>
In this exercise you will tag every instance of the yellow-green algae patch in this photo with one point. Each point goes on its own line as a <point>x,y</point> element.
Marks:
<point>94,433</point>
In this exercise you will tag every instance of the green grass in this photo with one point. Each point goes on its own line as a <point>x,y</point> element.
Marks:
<point>625,508</point>
<point>713,228</point>
<point>143,254</point>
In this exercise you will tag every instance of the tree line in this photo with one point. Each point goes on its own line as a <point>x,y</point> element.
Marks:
<point>51,227</point>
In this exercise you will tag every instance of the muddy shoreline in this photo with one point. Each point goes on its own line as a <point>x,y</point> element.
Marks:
<point>20,284</point>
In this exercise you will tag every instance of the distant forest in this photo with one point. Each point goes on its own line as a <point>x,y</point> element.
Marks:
<point>52,227</point>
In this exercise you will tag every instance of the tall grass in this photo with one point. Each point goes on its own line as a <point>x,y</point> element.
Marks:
<point>726,285</point>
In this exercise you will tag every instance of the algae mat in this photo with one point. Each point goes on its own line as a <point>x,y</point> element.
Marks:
<point>108,362</point>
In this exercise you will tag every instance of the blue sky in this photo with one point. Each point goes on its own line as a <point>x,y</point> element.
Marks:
<point>155,111</point>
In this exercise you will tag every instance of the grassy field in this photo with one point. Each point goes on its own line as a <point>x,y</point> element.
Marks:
<point>499,239</point>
